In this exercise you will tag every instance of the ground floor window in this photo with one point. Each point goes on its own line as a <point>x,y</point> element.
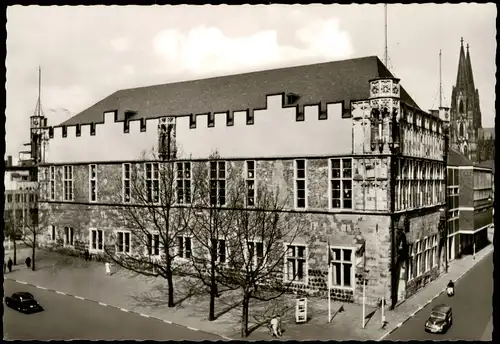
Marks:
<point>184,247</point>
<point>96,240</point>
<point>153,244</point>
<point>341,260</point>
<point>219,250</point>
<point>418,258</point>
<point>52,232</point>
<point>411,262</point>
<point>68,236</point>
<point>295,267</point>
<point>434,251</point>
<point>122,242</point>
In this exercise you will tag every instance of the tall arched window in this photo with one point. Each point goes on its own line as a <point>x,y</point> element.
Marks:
<point>461,106</point>
<point>461,129</point>
<point>465,151</point>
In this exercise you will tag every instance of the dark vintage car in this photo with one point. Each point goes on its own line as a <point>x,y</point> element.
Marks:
<point>440,319</point>
<point>23,302</point>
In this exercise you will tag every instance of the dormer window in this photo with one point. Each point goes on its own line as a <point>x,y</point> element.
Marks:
<point>292,98</point>
<point>230,118</point>
<point>211,120</point>
<point>250,117</point>
<point>192,121</point>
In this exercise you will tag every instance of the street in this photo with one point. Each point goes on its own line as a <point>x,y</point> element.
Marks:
<point>472,308</point>
<point>66,318</point>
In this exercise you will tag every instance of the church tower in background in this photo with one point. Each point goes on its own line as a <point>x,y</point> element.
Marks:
<point>465,109</point>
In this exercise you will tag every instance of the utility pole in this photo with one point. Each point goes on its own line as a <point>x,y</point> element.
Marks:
<point>385,35</point>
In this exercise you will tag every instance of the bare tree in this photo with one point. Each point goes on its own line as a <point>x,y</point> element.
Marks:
<point>35,221</point>
<point>262,235</point>
<point>210,227</point>
<point>12,228</point>
<point>157,196</point>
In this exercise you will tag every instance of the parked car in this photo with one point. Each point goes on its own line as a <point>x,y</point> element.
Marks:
<point>440,319</point>
<point>23,302</point>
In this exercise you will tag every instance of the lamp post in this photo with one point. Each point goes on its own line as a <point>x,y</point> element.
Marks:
<point>364,297</point>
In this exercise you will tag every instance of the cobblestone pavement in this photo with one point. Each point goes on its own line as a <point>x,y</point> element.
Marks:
<point>148,296</point>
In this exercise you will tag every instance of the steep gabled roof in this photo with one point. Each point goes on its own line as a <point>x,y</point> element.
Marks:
<point>455,158</point>
<point>323,82</point>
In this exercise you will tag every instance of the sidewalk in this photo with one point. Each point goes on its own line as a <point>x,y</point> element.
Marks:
<point>148,295</point>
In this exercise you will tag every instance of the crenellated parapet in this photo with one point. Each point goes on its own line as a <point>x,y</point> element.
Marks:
<point>247,133</point>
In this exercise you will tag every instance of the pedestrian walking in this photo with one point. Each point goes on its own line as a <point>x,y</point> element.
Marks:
<point>108,268</point>
<point>28,262</point>
<point>86,255</point>
<point>9,264</point>
<point>276,326</point>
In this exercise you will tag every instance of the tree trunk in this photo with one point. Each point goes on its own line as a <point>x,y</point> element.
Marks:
<point>15,251</point>
<point>213,292</point>
<point>170,281</point>
<point>244,315</point>
<point>33,258</point>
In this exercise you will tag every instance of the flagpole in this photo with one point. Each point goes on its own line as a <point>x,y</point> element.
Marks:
<point>329,284</point>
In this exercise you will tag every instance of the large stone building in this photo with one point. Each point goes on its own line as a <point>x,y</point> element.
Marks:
<point>357,156</point>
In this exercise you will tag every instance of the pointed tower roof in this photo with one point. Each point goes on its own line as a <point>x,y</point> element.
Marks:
<point>462,75</point>
<point>470,77</point>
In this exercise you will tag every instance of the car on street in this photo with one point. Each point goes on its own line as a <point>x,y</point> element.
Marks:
<point>440,319</point>
<point>23,302</point>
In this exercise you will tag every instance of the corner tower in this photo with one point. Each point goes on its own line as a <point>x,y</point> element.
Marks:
<point>465,108</point>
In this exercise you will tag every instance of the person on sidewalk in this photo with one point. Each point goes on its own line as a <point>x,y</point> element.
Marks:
<point>9,264</point>
<point>107,266</point>
<point>28,262</point>
<point>86,255</point>
<point>276,326</point>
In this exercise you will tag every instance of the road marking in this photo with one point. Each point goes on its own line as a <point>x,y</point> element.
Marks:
<point>192,328</point>
<point>60,292</point>
<point>79,298</point>
<point>168,322</point>
<point>41,287</point>
<point>144,315</point>
<point>21,282</point>
<point>458,278</point>
<point>103,304</point>
<point>124,310</point>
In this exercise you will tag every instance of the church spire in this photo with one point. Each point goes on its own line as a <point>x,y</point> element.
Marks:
<point>470,78</point>
<point>462,79</point>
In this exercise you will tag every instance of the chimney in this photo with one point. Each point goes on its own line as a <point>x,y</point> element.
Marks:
<point>9,161</point>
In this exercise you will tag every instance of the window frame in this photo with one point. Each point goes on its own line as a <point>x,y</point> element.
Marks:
<point>91,240</point>
<point>341,179</point>
<point>154,179</point>
<point>305,279</point>
<point>342,263</point>
<point>126,195</point>
<point>226,250</point>
<point>69,237</point>
<point>181,251</point>
<point>218,182</point>
<point>93,183</point>
<point>68,183</point>
<point>184,181</point>
<point>153,239</point>
<point>52,183</point>
<point>296,180</point>
<point>123,246</point>
<point>254,263</point>
<point>250,183</point>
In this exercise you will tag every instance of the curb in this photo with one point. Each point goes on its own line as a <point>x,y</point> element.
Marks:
<point>429,301</point>
<point>116,307</point>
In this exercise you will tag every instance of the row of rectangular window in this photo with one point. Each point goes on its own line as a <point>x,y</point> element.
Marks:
<point>416,193</point>
<point>423,256</point>
<point>419,170</point>
<point>21,198</point>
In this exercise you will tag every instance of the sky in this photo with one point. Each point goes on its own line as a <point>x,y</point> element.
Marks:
<point>88,52</point>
